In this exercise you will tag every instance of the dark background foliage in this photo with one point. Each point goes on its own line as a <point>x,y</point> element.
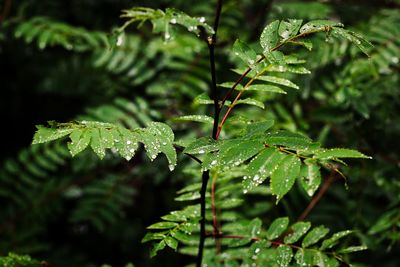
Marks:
<point>348,101</point>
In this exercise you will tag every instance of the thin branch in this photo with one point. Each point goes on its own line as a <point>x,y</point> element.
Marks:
<point>214,214</point>
<point>328,182</point>
<point>213,208</point>
<point>217,109</point>
<point>229,92</point>
<point>214,95</point>
<point>211,47</point>
<point>205,178</point>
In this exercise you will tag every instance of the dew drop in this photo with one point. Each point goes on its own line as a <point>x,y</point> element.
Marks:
<point>214,162</point>
<point>285,34</point>
<point>201,151</point>
<point>128,142</point>
<point>173,21</point>
<point>202,19</point>
<point>120,40</point>
<point>171,167</point>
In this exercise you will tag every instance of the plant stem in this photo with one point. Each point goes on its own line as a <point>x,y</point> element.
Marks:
<point>211,47</point>
<point>217,109</point>
<point>214,95</point>
<point>213,208</point>
<point>214,214</point>
<point>235,101</point>
<point>229,92</point>
<point>328,182</point>
<point>204,181</point>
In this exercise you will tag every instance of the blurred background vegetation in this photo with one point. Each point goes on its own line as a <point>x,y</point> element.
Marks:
<point>56,63</point>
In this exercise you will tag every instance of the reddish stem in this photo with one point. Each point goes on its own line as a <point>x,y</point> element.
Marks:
<point>328,182</point>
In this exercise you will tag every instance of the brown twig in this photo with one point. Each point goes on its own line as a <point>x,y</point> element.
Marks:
<point>324,188</point>
<point>229,92</point>
<point>214,213</point>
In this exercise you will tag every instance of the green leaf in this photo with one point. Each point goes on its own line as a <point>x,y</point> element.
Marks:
<point>306,43</point>
<point>158,137</point>
<point>202,145</point>
<point>239,151</point>
<point>163,225</point>
<point>99,144</point>
<point>174,216</point>
<point>352,249</point>
<point>251,101</point>
<point>183,237</point>
<point>339,153</point>
<point>320,259</point>
<point>188,196</point>
<point>275,57</point>
<point>163,21</point>
<point>283,178</point>
<point>284,255</point>
<point>259,127</point>
<point>196,118</point>
<point>80,139</point>
<point>203,99</point>
<point>171,242</point>
<point>270,37</point>
<point>265,88</point>
<point>44,134</point>
<point>191,23</point>
<point>289,68</point>
<point>296,231</point>
<point>291,140</point>
<point>387,220</point>
<point>319,25</point>
<point>125,142</point>
<point>314,236</point>
<point>329,243</point>
<point>257,247</point>
<point>277,80</point>
<point>247,54</point>
<point>304,257</point>
<point>289,28</point>
<point>261,167</point>
<point>157,247</point>
<point>254,228</point>
<point>277,228</point>
<point>364,45</point>
<point>310,177</point>
<point>153,236</point>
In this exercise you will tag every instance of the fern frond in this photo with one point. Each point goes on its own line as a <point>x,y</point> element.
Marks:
<point>47,32</point>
